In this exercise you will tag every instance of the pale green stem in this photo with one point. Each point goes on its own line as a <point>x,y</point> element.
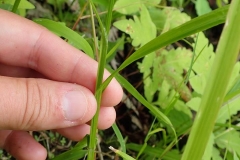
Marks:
<point>215,90</point>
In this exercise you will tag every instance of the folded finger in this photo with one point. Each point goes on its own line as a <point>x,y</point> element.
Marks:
<point>21,145</point>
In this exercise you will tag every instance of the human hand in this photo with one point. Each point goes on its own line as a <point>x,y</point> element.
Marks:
<point>46,84</point>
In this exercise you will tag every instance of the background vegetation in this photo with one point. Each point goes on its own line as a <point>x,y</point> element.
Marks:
<point>168,58</point>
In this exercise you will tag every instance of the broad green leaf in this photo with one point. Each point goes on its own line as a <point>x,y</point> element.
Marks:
<point>227,110</point>
<point>202,7</point>
<point>194,103</point>
<point>205,56</point>
<point>130,7</point>
<point>230,108</point>
<point>165,66</point>
<point>216,154</point>
<point>127,7</point>
<point>24,4</point>
<point>209,149</point>
<point>73,38</point>
<point>174,18</point>
<point>230,140</point>
<point>181,117</point>
<point>158,17</point>
<point>144,25</point>
<point>235,156</point>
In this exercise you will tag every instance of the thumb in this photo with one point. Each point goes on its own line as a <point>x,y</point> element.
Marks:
<point>40,104</point>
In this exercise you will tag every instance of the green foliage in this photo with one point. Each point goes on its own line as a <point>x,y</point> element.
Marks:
<point>21,8</point>
<point>130,7</point>
<point>202,7</point>
<point>143,25</point>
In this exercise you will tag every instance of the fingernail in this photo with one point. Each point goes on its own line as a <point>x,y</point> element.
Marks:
<point>74,105</point>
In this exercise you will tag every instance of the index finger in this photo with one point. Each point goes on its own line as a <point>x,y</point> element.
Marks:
<point>26,44</point>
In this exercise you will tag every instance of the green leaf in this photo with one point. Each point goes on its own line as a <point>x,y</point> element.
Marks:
<point>165,66</point>
<point>216,154</point>
<point>158,17</point>
<point>181,117</point>
<point>235,89</point>
<point>194,103</point>
<point>205,56</point>
<point>73,38</point>
<point>229,139</point>
<point>144,25</point>
<point>24,4</point>
<point>75,153</point>
<point>202,7</point>
<point>130,7</point>
<point>229,109</point>
<point>174,18</point>
<point>235,157</point>
<point>121,154</point>
<point>119,137</point>
<point>209,149</point>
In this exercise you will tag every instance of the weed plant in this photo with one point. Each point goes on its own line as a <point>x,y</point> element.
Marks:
<point>187,89</point>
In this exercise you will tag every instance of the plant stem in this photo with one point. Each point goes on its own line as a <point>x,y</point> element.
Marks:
<point>15,6</point>
<point>215,90</point>
<point>101,67</point>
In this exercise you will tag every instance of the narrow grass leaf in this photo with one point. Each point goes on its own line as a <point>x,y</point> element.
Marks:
<point>122,154</point>
<point>111,54</point>
<point>119,137</point>
<point>15,6</point>
<point>75,153</point>
<point>61,30</point>
<point>234,91</point>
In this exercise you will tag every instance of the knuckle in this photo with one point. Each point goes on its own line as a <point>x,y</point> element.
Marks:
<point>34,110</point>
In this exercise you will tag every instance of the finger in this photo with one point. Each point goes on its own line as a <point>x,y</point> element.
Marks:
<point>22,146</point>
<point>13,71</point>
<point>75,133</point>
<point>40,104</point>
<point>107,117</point>
<point>38,49</point>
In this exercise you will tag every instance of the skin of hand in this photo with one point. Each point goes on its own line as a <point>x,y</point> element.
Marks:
<point>46,84</point>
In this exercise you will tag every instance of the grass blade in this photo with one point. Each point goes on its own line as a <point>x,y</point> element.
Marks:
<point>15,6</point>
<point>120,153</point>
<point>119,137</point>
<point>226,55</point>
<point>73,37</point>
